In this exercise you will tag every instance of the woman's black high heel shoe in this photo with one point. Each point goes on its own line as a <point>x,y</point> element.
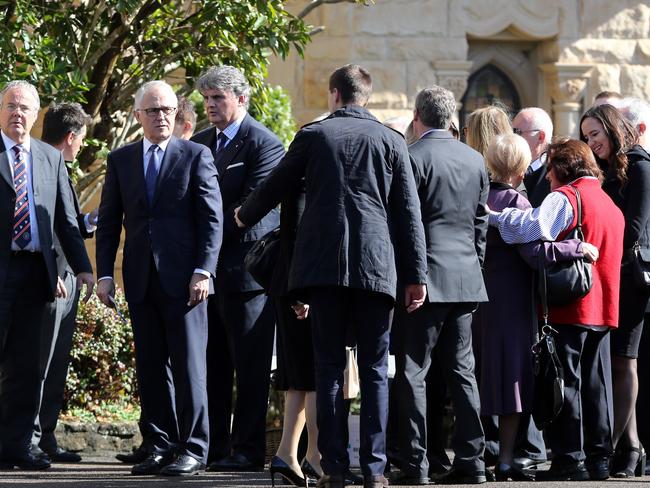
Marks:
<point>629,463</point>
<point>308,470</point>
<point>504,472</point>
<point>277,465</point>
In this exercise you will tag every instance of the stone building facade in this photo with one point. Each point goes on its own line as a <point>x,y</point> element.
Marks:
<point>555,54</point>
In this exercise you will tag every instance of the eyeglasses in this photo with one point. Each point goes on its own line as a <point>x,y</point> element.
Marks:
<point>520,131</point>
<point>153,111</point>
<point>12,107</point>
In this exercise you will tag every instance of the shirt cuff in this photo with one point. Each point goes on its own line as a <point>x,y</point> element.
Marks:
<point>105,278</point>
<point>493,218</point>
<point>203,272</point>
<point>90,228</point>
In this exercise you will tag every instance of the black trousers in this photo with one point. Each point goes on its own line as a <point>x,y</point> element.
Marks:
<point>338,315</point>
<point>22,305</point>
<point>241,333</point>
<point>446,327</point>
<point>583,429</point>
<point>171,336</point>
<point>58,328</point>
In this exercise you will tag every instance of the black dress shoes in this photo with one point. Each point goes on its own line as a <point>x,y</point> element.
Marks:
<point>567,472</point>
<point>60,455</point>
<point>526,463</point>
<point>26,462</point>
<point>505,472</point>
<point>135,457</point>
<point>456,476</point>
<point>598,468</point>
<point>235,463</point>
<point>151,465</point>
<point>182,465</point>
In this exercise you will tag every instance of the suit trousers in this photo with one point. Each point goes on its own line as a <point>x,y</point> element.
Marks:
<point>583,429</point>
<point>241,332</point>
<point>338,314</point>
<point>447,328</point>
<point>58,328</point>
<point>22,305</point>
<point>170,335</point>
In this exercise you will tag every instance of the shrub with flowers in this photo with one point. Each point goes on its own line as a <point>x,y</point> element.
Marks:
<point>102,363</point>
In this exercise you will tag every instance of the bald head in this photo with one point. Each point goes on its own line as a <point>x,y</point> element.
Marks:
<point>536,127</point>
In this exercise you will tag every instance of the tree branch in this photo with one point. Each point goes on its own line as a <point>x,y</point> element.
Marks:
<point>314,4</point>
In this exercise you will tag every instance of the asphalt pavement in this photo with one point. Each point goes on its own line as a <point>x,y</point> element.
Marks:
<point>107,473</point>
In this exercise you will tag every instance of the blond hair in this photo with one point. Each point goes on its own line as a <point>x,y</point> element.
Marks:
<point>508,156</point>
<point>485,123</point>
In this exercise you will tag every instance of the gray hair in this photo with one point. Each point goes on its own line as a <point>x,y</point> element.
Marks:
<point>224,78</point>
<point>435,106</point>
<point>540,120</point>
<point>149,85</point>
<point>636,111</point>
<point>21,84</point>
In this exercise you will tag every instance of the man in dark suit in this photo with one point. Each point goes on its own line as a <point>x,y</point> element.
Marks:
<point>535,125</point>
<point>241,319</point>
<point>64,128</point>
<point>165,192</point>
<point>453,186</point>
<point>37,202</point>
<point>360,202</point>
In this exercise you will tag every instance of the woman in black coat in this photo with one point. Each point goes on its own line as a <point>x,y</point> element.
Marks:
<point>626,165</point>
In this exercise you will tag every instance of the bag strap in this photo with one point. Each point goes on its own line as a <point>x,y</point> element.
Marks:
<point>541,277</point>
<point>581,235</point>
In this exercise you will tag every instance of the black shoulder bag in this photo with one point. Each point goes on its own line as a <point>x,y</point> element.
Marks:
<point>639,260</point>
<point>262,257</point>
<point>547,369</point>
<point>567,281</point>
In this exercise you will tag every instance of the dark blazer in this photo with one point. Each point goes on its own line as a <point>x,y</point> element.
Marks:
<point>183,228</point>
<point>358,181</point>
<point>54,211</point>
<point>242,165</point>
<point>62,264</point>
<point>634,198</point>
<point>453,187</point>
<point>537,186</point>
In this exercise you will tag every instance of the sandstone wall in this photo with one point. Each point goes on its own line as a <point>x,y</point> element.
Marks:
<point>555,51</point>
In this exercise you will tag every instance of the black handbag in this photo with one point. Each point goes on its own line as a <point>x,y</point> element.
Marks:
<point>261,258</point>
<point>568,281</point>
<point>548,393</point>
<point>639,261</point>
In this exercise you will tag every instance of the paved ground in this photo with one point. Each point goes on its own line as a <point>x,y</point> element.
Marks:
<point>104,473</point>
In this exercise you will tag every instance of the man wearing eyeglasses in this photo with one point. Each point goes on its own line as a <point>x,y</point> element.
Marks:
<point>535,125</point>
<point>241,318</point>
<point>164,191</point>
<point>37,201</point>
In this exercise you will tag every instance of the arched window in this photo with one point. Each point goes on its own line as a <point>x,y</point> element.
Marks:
<point>488,86</point>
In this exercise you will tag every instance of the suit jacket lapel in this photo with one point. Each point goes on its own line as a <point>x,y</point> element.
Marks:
<point>5,171</point>
<point>171,158</point>
<point>225,156</point>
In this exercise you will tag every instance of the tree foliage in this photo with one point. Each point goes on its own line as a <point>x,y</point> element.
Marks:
<point>98,52</point>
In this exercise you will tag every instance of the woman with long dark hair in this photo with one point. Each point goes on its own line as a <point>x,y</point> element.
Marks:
<point>626,166</point>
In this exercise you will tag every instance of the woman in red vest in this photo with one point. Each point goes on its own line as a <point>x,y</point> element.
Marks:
<point>580,437</point>
<point>626,166</point>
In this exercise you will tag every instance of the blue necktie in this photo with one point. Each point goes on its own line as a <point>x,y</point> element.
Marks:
<point>151,175</point>
<point>222,139</point>
<point>22,227</point>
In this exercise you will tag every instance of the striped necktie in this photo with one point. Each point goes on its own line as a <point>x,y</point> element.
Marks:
<point>22,227</point>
